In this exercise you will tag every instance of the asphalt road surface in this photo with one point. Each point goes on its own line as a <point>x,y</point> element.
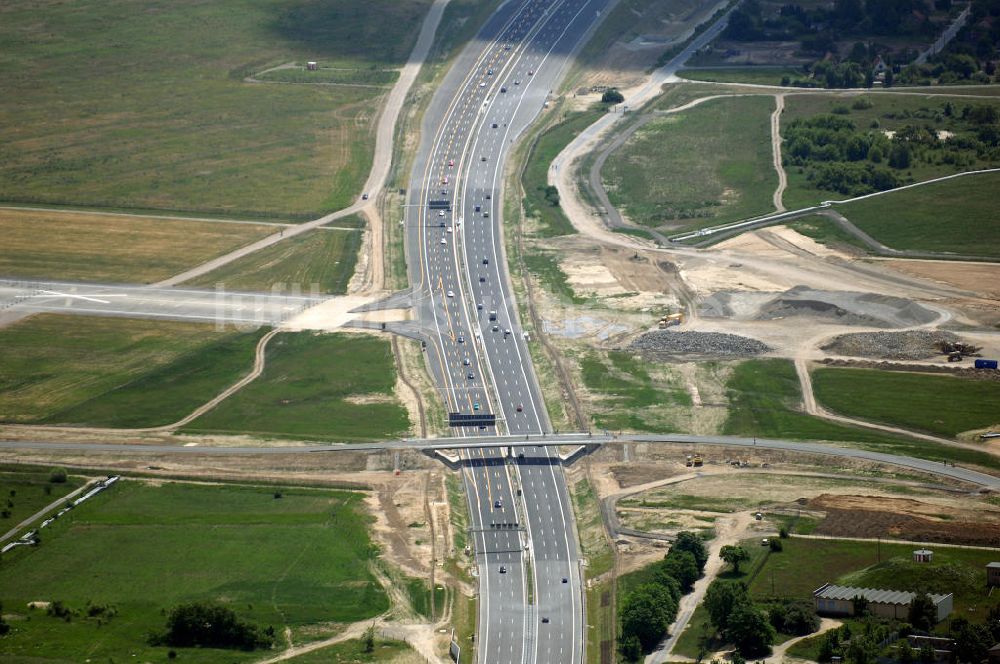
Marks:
<point>223,307</point>
<point>531,611</point>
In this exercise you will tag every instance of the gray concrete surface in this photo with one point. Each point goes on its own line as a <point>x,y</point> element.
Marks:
<point>21,298</point>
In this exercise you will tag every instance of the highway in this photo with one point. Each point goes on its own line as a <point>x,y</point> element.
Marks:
<point>526,556</point>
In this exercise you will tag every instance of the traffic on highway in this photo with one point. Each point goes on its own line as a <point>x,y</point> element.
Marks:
<point>531,606</point>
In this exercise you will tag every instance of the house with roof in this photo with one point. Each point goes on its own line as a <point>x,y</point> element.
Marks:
<point>833,600</point>
<point>993,574</point>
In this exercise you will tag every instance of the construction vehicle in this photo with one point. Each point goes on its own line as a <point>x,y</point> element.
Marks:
<point>697,461</point>
<point>689,462</point>
<point>670,320</point>
<point>957,350</point>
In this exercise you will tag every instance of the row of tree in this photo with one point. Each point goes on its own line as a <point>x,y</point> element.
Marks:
<point>208,625</point>
<point>647,611</point>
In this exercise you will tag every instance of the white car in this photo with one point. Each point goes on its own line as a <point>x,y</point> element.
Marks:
<point>440,213</point>
<point>449,229</point>
<point>444,241</point>
<point>451,293</point>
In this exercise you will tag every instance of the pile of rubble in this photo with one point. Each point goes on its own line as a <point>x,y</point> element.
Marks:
<point>715,344</point>
<point>911,345</point>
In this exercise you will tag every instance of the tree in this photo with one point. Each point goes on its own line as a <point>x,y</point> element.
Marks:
<point>646,613</point>
<point>720,598</point>
<point>922,613</point>
<point>630,648</point>
<point>972,642</point>
<point>682,566</point>
<point>926,654</point>
<point>859,603</point>
<point>905,653</point>
<point>735,556</point>
<point>692,543</point>
<point>612,96</point>
<point>58,476</point>
<point>900,156</point>
<point>368,639</point>
<point>749,630</point>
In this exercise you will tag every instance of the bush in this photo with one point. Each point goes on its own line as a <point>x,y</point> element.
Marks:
<point>775,544</point>
<point>612,96</point>
<point>206,625</point>
<point>58,476</point>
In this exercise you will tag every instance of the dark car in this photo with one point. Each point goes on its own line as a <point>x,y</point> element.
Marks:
<point>503,569</point>
<point>545,619</point>
<point>482,279</point>
<point>565,580</point>
<point>486,261</point>
<point>494,125</point>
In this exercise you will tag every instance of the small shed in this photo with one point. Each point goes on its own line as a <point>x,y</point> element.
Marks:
<point>993,574</point>
<point>922,556</point>
<point>312,65</point>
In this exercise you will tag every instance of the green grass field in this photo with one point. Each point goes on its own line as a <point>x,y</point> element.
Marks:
<point>752,75</point>
<point>910,400</point>
<point>24,492</point>
<point>115,371</point>
<point>629,396</point>
<point>103,248</point>
<point>301,561</point>
<point>805,565</point>
<point>336,387</point>
<point>146,107</point>
<point>764,396</point>
<point>954,216</point>
<point>331,76</point>
<point>320,261</point>
<point>704,166</point>
<point>593,543</point>
<point>552,221</point>
<point>352,651</point>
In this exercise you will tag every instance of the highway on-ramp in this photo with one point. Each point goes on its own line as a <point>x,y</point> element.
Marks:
<point>531,597</point>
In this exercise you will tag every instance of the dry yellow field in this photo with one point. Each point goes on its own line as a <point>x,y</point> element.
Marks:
<point>39,244</point>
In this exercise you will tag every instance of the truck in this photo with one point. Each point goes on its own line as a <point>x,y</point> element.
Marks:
<point>986,364</point>
<point>671,320</point>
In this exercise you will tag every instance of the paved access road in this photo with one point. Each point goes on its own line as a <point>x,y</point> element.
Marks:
<point>250,309</point>
<point>476,351</point>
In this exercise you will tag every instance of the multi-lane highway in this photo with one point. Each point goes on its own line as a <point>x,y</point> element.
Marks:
<point>530,588</point>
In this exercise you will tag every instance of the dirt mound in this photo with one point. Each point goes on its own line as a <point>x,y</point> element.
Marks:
<point>911,345</point>
<point>713,344</point>
<point>839,307</point>
<point>787,308</point>
<point>903,518</point>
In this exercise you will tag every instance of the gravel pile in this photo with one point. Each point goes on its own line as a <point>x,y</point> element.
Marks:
<point>912,345</point>
<point>715,344</point>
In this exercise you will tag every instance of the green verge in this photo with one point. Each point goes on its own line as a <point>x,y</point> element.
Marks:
<point>697,167</point>
<point>804,565</point>
<point>320,261</point>
<point>331,387</point>
<point>352,651</point>
<point>910,400</point>
<point>551,219</point>
<point>115,371</point>
<point>956,216</point>
<point>144,549</point>
<point>150,109</point>
<point>24,493</point>
<point>826,231</point>
<point>755,76</point>
<point>764,396</point>
<point>630,397</point>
